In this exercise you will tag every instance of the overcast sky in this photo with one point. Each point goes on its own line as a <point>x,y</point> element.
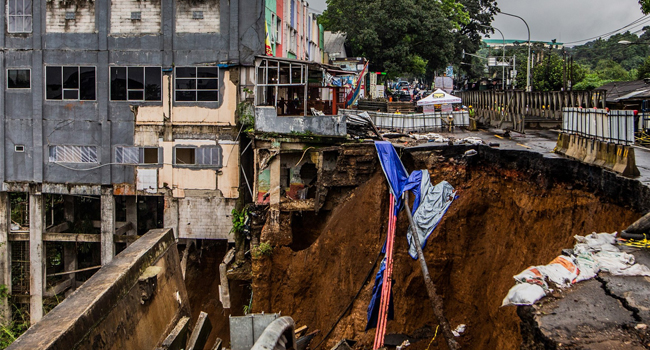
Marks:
<point>564,20</point>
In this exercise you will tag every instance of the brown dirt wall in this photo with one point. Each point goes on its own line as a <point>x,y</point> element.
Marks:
<point>502,222</point>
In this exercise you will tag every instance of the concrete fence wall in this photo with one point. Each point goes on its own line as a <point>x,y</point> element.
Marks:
<point>516,106</point>
<point>611,126</point>
<point>417,122</point>
<point>130,303</point>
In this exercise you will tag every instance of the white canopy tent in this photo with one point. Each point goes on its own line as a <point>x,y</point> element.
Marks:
<point>439,97</point>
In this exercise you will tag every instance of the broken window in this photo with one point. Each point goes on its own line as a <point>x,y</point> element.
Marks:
<point>197,84</point>
<point>73,154</point>
<point>281,84</point>
<point>136,155</point>
<point>18,79</point>
<point>136,83</point>
<point>70,83</point>
<point>185,156</point>
<point>206,156</point>
<point>19,16</point>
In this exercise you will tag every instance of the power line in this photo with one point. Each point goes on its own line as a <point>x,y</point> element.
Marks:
<point>644,19</point>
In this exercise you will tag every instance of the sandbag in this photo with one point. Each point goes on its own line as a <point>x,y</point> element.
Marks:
<point>523,294</point>
<point>562,271</point>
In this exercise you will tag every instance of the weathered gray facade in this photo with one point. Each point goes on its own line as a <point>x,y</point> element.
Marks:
<point>120,98</point>
<point>37,123</point>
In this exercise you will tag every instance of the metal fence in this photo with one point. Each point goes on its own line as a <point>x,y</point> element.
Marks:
<point>611,126</point>
<point>416,122</point>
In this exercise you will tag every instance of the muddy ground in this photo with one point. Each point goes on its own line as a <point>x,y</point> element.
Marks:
<point>502,222</point>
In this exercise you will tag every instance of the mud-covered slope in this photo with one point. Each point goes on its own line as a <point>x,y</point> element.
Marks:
<point>501,223</point>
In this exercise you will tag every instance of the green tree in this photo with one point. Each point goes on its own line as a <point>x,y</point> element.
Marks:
<point>645,6</point>
<point>408,36</point>
<point>644,70</point>
<point>610,70</point>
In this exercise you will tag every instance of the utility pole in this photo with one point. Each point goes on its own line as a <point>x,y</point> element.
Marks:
<point>564,70</point>
<point>528,87</point>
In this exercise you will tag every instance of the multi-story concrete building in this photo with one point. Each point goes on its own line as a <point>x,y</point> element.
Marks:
<point>127,102</point>
<point>293,30</point>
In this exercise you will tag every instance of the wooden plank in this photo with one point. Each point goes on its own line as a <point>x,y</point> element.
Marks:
<point>224,287</point>
<point>200,333</point>
<point>57,228</point>
<point>124,228</point>
<point>58,288</point>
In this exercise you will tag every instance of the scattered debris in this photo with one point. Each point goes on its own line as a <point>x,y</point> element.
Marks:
<point>459,330</point>
<point>469,140</point>
<point>471,152</point>
<point>431,137</point>
<point>404,345</point>
<point>344,344</point>
<point>303,342</point>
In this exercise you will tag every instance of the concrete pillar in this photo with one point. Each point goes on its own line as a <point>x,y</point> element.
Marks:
<point>5,257</point>
<point>275,185</point>
<point>36,254</point>
<point>170,214</point>
<point>108,224</point>
<point>70,264</point>
<point>68,208</point>
<point>132,213</point>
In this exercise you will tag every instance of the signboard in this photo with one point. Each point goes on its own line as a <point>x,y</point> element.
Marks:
<point>445,84</point>
<point>449,71</point>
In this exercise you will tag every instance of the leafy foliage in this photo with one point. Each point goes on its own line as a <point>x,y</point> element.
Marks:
<point>644,70</point>
<point>238,220</point>
<point>629,56</point>
<point>409,36</point>
<point>645,6</point>
<point>264,249</point>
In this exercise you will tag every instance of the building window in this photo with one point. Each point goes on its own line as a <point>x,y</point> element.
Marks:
<point>18,79</point>
<point>278,32</point>
<point>204,156</point>
<point>19,16</point>
<point>136,83</point>
<point>70,83</point>
<point>136,155</point>
<point>271,31</point>
<point>73,154</point>
<point>197,84</point>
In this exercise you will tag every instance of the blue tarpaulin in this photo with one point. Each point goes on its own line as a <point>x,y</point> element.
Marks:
<point>431,203</point>
<point>373,308</point>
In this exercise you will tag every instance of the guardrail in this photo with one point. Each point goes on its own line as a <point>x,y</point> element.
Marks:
<point>615,126</point>
<point>416,122</point>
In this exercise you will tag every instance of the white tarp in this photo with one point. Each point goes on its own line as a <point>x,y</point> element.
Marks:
<point>439,97</point>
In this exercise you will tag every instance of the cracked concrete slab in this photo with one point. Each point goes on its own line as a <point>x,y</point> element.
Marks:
<point>586,318</point>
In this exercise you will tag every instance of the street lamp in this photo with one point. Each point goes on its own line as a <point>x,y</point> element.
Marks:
<point>503,56</point>
<point>528,62</point>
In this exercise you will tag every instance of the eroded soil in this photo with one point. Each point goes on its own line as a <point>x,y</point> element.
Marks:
<point>502,222</point>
